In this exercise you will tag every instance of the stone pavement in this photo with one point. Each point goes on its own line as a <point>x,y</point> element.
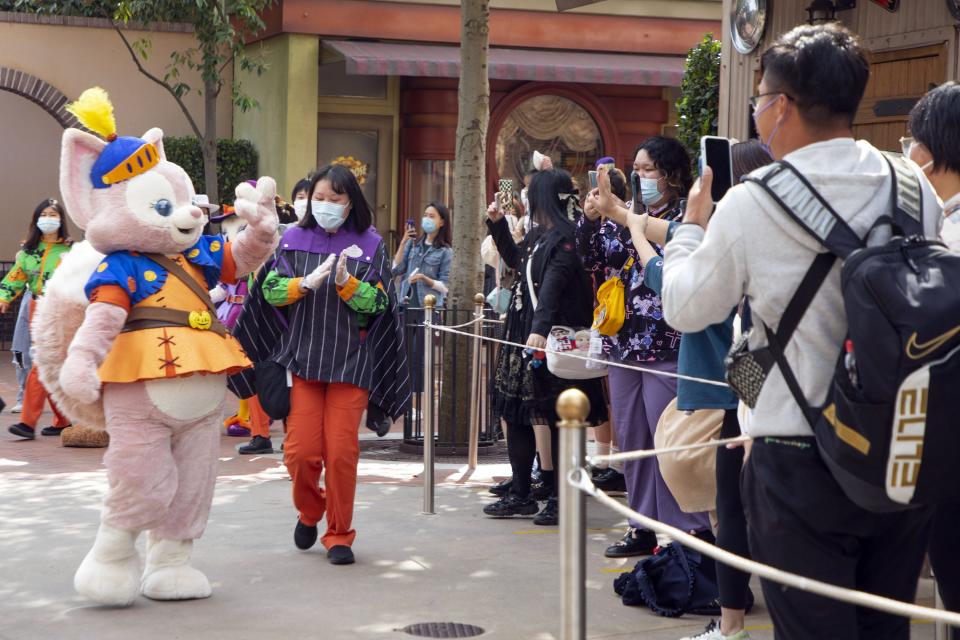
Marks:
<point>458,565</point>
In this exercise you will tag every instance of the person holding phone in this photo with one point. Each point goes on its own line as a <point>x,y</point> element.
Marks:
<point>661,178</point>
<point>423,264</point>
<point>702,355</point>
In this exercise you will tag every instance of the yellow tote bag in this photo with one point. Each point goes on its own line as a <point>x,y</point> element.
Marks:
<point>611,308</point>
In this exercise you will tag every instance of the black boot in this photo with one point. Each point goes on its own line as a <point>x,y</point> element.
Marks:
<point>257,444</point>
<point>303,536</point>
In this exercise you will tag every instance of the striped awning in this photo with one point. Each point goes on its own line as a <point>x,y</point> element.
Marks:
<point>397,59</point>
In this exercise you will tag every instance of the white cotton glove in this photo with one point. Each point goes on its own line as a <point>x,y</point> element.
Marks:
<point>316,277</point>
<point>343,276</point>
<point>218,294</point>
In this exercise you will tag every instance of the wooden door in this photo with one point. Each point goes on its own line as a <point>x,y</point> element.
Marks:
<point>897,80</point>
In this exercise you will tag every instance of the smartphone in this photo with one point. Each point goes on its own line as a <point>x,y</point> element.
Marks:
<point>410,224</point>
<point>594,182</point>
<point>715,153</point>
<point>505,195</point>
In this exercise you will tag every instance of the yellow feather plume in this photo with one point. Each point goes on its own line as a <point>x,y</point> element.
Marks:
<point>95,112</point>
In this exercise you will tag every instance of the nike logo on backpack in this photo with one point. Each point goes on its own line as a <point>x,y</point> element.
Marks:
<point>916,350</point>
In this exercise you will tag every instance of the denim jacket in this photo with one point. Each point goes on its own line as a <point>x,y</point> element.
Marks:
<point>433,262</point>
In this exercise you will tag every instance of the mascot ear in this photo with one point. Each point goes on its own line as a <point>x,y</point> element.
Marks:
<point>78,151</point>
<point>155,137</point>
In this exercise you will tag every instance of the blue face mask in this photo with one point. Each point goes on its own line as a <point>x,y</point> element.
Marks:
<point>429,225</point>
<point>647,189</point>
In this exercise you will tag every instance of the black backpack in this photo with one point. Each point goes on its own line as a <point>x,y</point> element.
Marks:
<point>888,429</point>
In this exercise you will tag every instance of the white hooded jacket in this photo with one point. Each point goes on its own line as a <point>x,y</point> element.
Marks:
<point>752,248</point>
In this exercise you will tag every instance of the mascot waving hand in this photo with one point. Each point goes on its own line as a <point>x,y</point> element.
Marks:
<point>149,348</point>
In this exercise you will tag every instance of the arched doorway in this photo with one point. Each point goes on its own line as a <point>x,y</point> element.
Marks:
<point>32,136</point>
<point>560,121</point>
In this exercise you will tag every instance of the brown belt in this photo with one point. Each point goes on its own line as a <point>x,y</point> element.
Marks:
<point>157,317</point>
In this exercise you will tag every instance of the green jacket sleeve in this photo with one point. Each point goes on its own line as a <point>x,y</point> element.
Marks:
<point>15,281</point>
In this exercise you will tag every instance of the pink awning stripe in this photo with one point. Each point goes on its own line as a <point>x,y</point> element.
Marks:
<point>396,59</point>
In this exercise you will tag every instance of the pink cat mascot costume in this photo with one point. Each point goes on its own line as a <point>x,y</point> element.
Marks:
<point>148,348</point>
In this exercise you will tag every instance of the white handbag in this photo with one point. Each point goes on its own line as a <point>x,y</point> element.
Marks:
<point>567,339</point>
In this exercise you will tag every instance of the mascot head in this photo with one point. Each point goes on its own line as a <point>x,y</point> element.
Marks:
<point>121,190</point>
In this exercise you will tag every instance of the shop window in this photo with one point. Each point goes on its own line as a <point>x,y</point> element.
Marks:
<point>335,82</point>
<point>555,126</point>
<point>428,181</point>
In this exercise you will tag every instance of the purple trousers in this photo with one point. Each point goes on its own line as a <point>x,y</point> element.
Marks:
<point>637,400</point>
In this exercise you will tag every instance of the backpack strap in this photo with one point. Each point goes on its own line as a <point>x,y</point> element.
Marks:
<point>907,198</point>
<point>805,206</point>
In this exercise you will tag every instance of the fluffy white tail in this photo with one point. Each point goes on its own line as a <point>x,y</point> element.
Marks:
<point>59,314</point>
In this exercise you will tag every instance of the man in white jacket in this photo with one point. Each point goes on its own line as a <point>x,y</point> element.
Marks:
<point>798,517</point>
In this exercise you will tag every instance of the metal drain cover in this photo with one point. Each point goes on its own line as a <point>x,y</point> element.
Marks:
<point>443,630</point>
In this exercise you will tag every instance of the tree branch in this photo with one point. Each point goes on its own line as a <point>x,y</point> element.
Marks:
<point>136,60</point>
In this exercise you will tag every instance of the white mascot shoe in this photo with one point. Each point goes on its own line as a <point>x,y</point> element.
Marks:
<point>110,573</point>
<point>168,574</point>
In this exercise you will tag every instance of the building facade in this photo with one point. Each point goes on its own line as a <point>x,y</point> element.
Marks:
<point>912,48</point>
<point>373,84</point>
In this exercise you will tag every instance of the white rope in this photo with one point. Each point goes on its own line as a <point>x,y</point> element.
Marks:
<point>580,479</point>
<point>464,325</point>
<point>649,453</point>
<point>566,354</point>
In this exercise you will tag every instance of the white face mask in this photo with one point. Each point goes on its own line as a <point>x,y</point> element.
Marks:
<point>329,215</point>
<point>48,224</point>
<point>300,208</point>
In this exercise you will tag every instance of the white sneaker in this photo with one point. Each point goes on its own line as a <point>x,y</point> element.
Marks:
<point>712,632</point>
<point>17,408</point>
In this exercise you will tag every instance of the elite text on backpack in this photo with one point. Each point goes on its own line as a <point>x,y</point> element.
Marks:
<point>887,430</point>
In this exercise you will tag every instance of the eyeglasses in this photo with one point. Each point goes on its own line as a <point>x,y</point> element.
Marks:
<point>753,99</point>
<point>906,143</point>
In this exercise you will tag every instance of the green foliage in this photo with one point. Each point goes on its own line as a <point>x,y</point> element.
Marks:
<point>699,105</point>
<point>236,161</point>
<point>219,30</point>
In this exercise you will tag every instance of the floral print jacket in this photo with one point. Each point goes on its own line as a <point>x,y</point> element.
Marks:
<point>645,337</point>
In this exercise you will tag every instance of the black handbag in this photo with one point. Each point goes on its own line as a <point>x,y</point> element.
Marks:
<point>273,389</point>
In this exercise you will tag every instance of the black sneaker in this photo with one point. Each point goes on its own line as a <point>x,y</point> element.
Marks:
<point>340,554</point>
<point>510,505</point>
<point>539,490</point>
<point>549,516</point>
<point>22,430</point>
<point>52,431</point>
<point>303,536</point>
<point>502,488</point>
<point>257,444</point>
<point>610,480</point>
<point>636,542</point>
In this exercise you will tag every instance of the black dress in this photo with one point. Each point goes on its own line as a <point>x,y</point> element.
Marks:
<point>525,393</point>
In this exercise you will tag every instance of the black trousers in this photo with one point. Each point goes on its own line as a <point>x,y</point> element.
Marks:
<point>732,524</point>
<point>800,520</point>
<point>945,557</point>
<point>522,449</point>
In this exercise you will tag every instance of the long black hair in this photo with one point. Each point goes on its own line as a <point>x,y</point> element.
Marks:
<point>443,233</point>
<point>342,181</point>
<point>547,209</point>
<point>34,235</point>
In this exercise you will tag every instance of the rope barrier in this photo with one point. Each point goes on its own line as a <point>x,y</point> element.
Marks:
<point>580,479</point>
<point>566,354</point>
<point>464,325</point>
<point>650,453</point>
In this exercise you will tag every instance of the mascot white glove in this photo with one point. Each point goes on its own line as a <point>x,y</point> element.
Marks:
<point>316,277</point>
<point>257,205</point>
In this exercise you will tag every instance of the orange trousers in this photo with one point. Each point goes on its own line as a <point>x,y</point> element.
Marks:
<point>34,395</point>
<point>259,420</point>
<point>322,432</point>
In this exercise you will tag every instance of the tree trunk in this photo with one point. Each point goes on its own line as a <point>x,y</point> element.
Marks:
<point>466,277</point>
<point>209,143</point>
